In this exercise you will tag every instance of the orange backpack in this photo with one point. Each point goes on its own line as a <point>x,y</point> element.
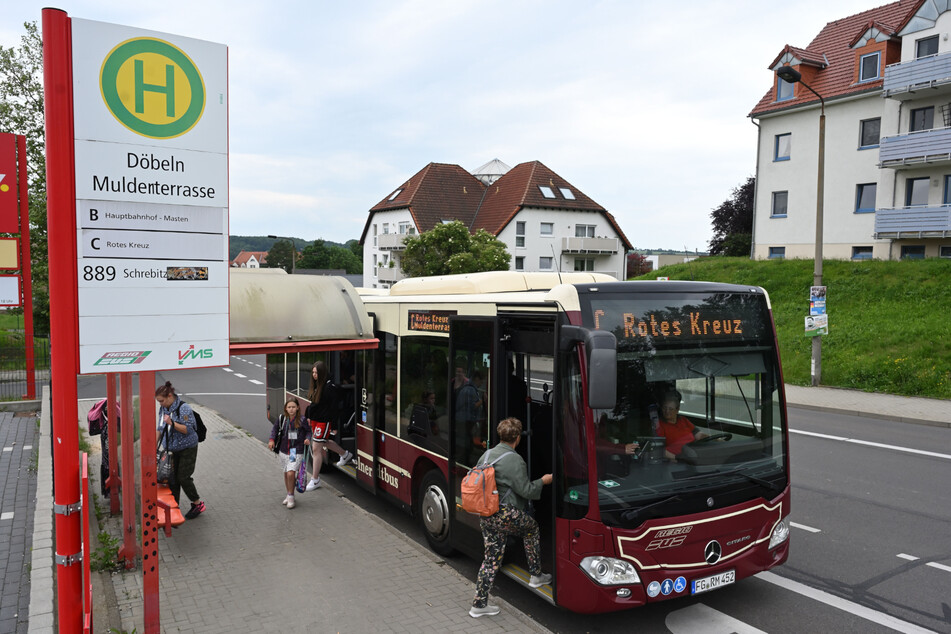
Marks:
<point>480,496</point>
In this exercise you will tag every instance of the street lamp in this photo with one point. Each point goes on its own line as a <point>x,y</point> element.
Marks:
<point>293,250</point>
<point>792,76</point>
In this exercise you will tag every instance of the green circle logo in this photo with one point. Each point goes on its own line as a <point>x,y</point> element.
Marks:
<point>152,88</point>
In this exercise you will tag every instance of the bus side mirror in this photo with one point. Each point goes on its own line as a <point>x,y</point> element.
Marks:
<point>601,350</point>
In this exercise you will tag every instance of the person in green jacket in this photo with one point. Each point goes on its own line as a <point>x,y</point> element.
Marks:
<point>515,490</point>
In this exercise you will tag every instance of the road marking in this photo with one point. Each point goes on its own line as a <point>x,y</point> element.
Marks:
<point>6,516</point>
<point>240,376</point>
<point>805,528</point>
<point>256,382</point>
<point>27,447</point>
<point>939,566</point>
<point>8,448</point>
<point>227,369</point>
<point>860,611</point>
<point>702,619</point>
<point>868,443</point>
<point>908,557</point>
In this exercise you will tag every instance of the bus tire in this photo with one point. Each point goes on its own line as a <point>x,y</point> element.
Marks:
<point>433,512</point>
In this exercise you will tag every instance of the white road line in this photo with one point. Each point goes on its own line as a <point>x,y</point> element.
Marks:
<point>939,566</point>
<point>842,604</point>
<point>872,444</point>
<point>227,369</point>
<point>256,382</point>
<point>6,516</point>
<point>702,619</point>
<point>805,528</point>
<point>8,448</point>
<point>240,376</point>
<point>26,447</point>
<point>908,557</point>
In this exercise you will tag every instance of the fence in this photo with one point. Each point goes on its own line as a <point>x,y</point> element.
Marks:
<point>13,376</point>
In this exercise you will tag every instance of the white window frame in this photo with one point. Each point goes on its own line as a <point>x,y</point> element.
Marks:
<point>543,259</point>
<point>587,230</point>
<point>551,229</point>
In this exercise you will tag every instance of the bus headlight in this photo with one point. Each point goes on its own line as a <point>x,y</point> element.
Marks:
<point>780,534</point>
<point>609,571</point>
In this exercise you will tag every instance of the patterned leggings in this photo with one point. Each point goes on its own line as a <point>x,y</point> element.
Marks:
<point>495,530</point>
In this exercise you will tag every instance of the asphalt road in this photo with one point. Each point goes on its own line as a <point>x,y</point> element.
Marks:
<point>871,537</point>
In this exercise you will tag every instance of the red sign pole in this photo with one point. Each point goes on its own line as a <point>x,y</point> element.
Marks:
<point>64,364</point>
<point>25,271</point>
<point>113,416</point>
<point>150,558</point>
<point>128,549</point>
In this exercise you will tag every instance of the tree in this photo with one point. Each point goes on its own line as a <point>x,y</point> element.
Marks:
<point>449,248</point>
<point>21,112</point>
<point>637,265</point>
<point>733,222</point>
<point>321,255</point>
<point>281,256</point>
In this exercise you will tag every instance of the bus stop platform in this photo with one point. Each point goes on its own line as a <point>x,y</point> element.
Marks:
<point>248,564</point>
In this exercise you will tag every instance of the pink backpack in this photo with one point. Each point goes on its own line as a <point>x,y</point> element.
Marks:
<point>97,416</point>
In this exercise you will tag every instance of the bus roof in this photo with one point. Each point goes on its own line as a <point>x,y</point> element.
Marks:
<point>492,282</point>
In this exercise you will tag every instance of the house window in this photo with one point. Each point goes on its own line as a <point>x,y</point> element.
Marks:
<point>386,228</point>
<point>780,202</point>
<point>545,262</point>
<point>926,46</point>
<point>395,194</point>
<point>865,197</point>
<point>784,90</point>
<point>777,253</point>
<point>567,193</point>
<point>782,146</point>
<point>944,252</point>
<point>922,119</point>
<point>870,131</point>
<point>584,264</point>
<point>405,228</point>
<point>520,234</point>
<point>869,66</point>
<point>947,190</point>
<point>584,231</point>
<point>519,262</point>
<point>548,228</point>
<point>913,252</point>
<point>861,253</point>
<point>374,235</point>
<point>374,265</point>
<point>916,192</point>
<point>546,191</point>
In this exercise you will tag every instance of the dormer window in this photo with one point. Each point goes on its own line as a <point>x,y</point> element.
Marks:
<point>926,47</point>
<point>869,66</point>
<point>784,89</point>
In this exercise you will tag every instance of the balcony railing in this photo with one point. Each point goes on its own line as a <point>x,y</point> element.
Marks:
<point>590,245</point>
<point>913,222</point>
<point>389,275</point>
<point>908,80</point>
<point>390,241</point>
<point>919,148</point>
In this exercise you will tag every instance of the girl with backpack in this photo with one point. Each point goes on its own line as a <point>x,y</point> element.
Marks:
<point>289,436</point>
<point>179,420</point>
<point>322,414</point>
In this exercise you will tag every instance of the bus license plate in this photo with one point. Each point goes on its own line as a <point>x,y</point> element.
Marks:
<point>712,583</point>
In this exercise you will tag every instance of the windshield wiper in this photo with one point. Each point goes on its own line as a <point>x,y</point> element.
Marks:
<point>633,513</point>
<point>752,478</point>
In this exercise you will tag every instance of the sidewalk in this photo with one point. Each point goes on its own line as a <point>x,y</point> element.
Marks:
<point>250,565</point>
<point>907,409</point>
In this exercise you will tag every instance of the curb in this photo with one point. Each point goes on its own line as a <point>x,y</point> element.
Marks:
<point>851,412</point>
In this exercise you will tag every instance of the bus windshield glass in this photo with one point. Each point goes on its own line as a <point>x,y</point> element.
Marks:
<point>698,422</point>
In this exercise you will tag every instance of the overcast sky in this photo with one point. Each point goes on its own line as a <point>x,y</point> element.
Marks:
<point>641,105</point>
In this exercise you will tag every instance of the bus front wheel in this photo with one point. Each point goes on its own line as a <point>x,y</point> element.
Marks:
<point>433,513</point>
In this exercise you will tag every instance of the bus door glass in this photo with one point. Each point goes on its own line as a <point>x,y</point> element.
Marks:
<point>471,357</point>
<point>368,383</point>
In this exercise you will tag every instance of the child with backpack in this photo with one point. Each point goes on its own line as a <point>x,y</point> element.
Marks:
<point>289,437</point>
<point>514,492</point>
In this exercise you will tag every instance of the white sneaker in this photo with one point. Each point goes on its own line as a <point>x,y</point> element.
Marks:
<point>313,484</point>
<point>290,502</point>
<point>539,581</point>
<point>284,502</point>
<point>488,610</point>
<point>344,459</point>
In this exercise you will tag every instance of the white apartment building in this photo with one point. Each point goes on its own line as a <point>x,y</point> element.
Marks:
<point>546,223</point>
<point>885,78</point>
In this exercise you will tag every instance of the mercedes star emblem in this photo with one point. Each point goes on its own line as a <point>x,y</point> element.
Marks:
<point>712,552</point>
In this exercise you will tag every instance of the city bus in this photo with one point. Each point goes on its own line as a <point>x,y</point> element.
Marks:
<point>586,363</point>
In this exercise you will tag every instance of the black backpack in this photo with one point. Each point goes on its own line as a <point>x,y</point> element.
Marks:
<point>199,425</point>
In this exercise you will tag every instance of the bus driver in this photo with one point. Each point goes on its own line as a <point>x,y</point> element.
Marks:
<point>676,430</point>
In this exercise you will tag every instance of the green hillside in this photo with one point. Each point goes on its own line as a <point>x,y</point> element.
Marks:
<point>889,322</point>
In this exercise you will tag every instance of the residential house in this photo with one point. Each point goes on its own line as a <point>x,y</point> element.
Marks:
<point>250,259</point>
<point>546,222</point>
<point>885,78</point>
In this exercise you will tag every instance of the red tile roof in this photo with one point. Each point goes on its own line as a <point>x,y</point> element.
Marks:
<point>441,191</point>
<point>244,256</point>
<point>834,43</point>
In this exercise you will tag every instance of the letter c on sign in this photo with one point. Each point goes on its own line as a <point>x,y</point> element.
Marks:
<point>93,243</point>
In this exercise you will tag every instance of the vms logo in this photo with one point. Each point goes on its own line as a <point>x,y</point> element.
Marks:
<point>192,353</point>
<point>152,88</point>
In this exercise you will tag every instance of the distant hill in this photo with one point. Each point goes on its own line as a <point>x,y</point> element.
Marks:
<point>888,320</point>
<point>237,244</point>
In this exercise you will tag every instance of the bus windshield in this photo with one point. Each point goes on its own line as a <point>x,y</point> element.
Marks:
<point>698,422</point>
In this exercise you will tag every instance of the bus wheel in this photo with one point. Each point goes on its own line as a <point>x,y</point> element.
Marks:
<point>433,512</point>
